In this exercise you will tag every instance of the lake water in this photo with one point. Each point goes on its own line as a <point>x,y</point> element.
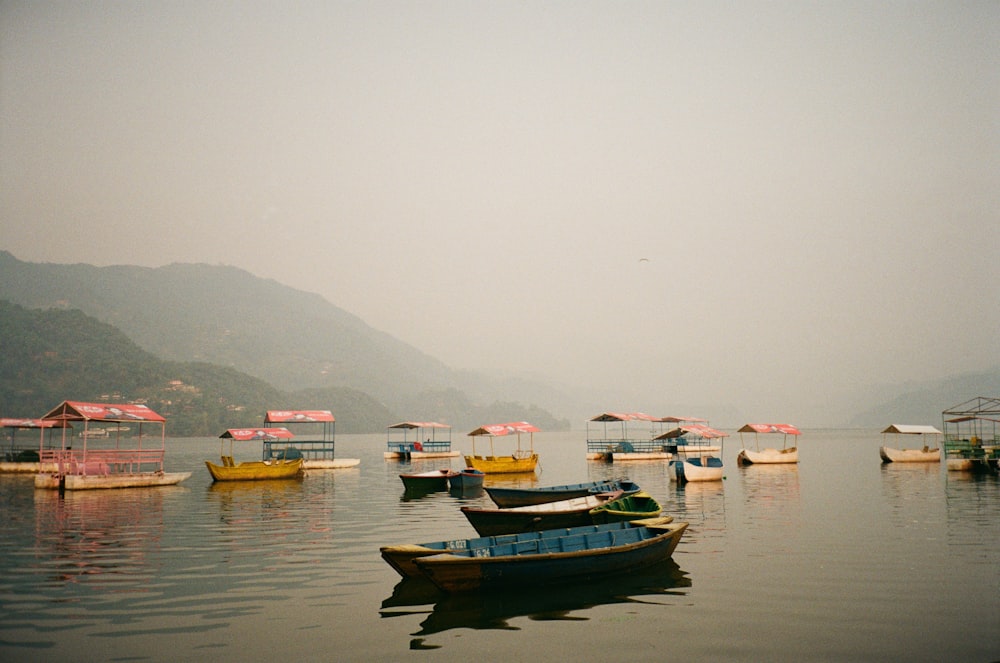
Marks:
<point>836,559</point>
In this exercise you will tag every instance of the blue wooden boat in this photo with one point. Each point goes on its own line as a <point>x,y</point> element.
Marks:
<point>467,479</point>
<point>512,497</point>
<point>401,557</point>
<point>627,507</point>
<point>552,559</point>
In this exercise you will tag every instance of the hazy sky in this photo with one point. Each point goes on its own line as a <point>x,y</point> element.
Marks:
<point>770,205</point>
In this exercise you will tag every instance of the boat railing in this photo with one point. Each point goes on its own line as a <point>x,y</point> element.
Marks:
<point>310,449</point>
<point>98,462</point>
<point>426,446</point>
<point>620,445</point>
<point>972,447</point>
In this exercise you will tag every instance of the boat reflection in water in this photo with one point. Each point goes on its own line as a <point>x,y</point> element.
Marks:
<point>654,584</point>
<point>103,537</point>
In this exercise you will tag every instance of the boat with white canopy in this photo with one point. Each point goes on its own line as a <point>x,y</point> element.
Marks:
<point>926,453</point>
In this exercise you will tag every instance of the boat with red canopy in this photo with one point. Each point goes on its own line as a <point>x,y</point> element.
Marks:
<point>272,468</point>
<point>99,464</point>
<point>317,450</point>
<point>623,442</point>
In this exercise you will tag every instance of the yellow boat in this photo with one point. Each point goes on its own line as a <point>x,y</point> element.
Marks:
<point>283,468</point>
<point>517,462</point>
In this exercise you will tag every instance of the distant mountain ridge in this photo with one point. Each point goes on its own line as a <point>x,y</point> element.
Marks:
<point>290,339</point>
<point>296,341</point>
<point>923,403</point>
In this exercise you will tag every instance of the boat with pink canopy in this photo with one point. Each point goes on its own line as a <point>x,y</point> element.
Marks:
<point>768,455</point>
<point>317,446</point>
<point>107,463</point>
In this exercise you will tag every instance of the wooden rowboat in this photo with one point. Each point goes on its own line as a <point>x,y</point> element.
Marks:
<point>552,560</point>
<point>467,479</point>
<point>551,515</point>
<point>511,497</point>
<point>401,557</point>
<point>428,481</point>
<point>627,507</point>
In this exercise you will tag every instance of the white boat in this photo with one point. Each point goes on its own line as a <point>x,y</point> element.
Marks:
<point>768,455</point>
<point>700,465</point>
<point>925,454</point>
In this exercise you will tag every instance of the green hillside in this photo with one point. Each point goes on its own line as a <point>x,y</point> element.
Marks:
<point>296,341</point>
<point>52,356</point>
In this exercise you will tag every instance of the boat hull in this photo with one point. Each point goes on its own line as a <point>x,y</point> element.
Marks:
<point>427,481</point>
<point>420,455</point>
<point>401,558</point>
<point>27,467</point>
<point>330,464</point>
<point>768,456</point>
<point>925,455</point>
<point>503,464</point>
<point>707,468</point>
<point>467,479</point>
<point>628,456</point>
<point>256,470</point>
<point>532,565</point>
<point>514,497</point>
<point>94,482</point>
<point>551,515</point>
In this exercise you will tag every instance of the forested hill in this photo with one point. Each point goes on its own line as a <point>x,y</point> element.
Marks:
<point>52,356</point>
<point>295,342</point>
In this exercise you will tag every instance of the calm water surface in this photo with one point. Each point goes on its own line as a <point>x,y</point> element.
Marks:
<point>837,559</point>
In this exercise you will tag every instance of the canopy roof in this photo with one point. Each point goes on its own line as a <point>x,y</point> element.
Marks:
<point>258,434</point>
<point>118,413</point>
<point>980,406</point>
<point>419,424</point>
<point>505,429</point>
<point>909,429</point>
<point>695,429</point>
<point>293,416</point>
<point>624,416</point>
<point>678,420</point>
<point>11,422</point>
<point>787,429</point>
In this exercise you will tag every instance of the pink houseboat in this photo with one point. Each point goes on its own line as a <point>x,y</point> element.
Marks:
<point>104,463</point>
